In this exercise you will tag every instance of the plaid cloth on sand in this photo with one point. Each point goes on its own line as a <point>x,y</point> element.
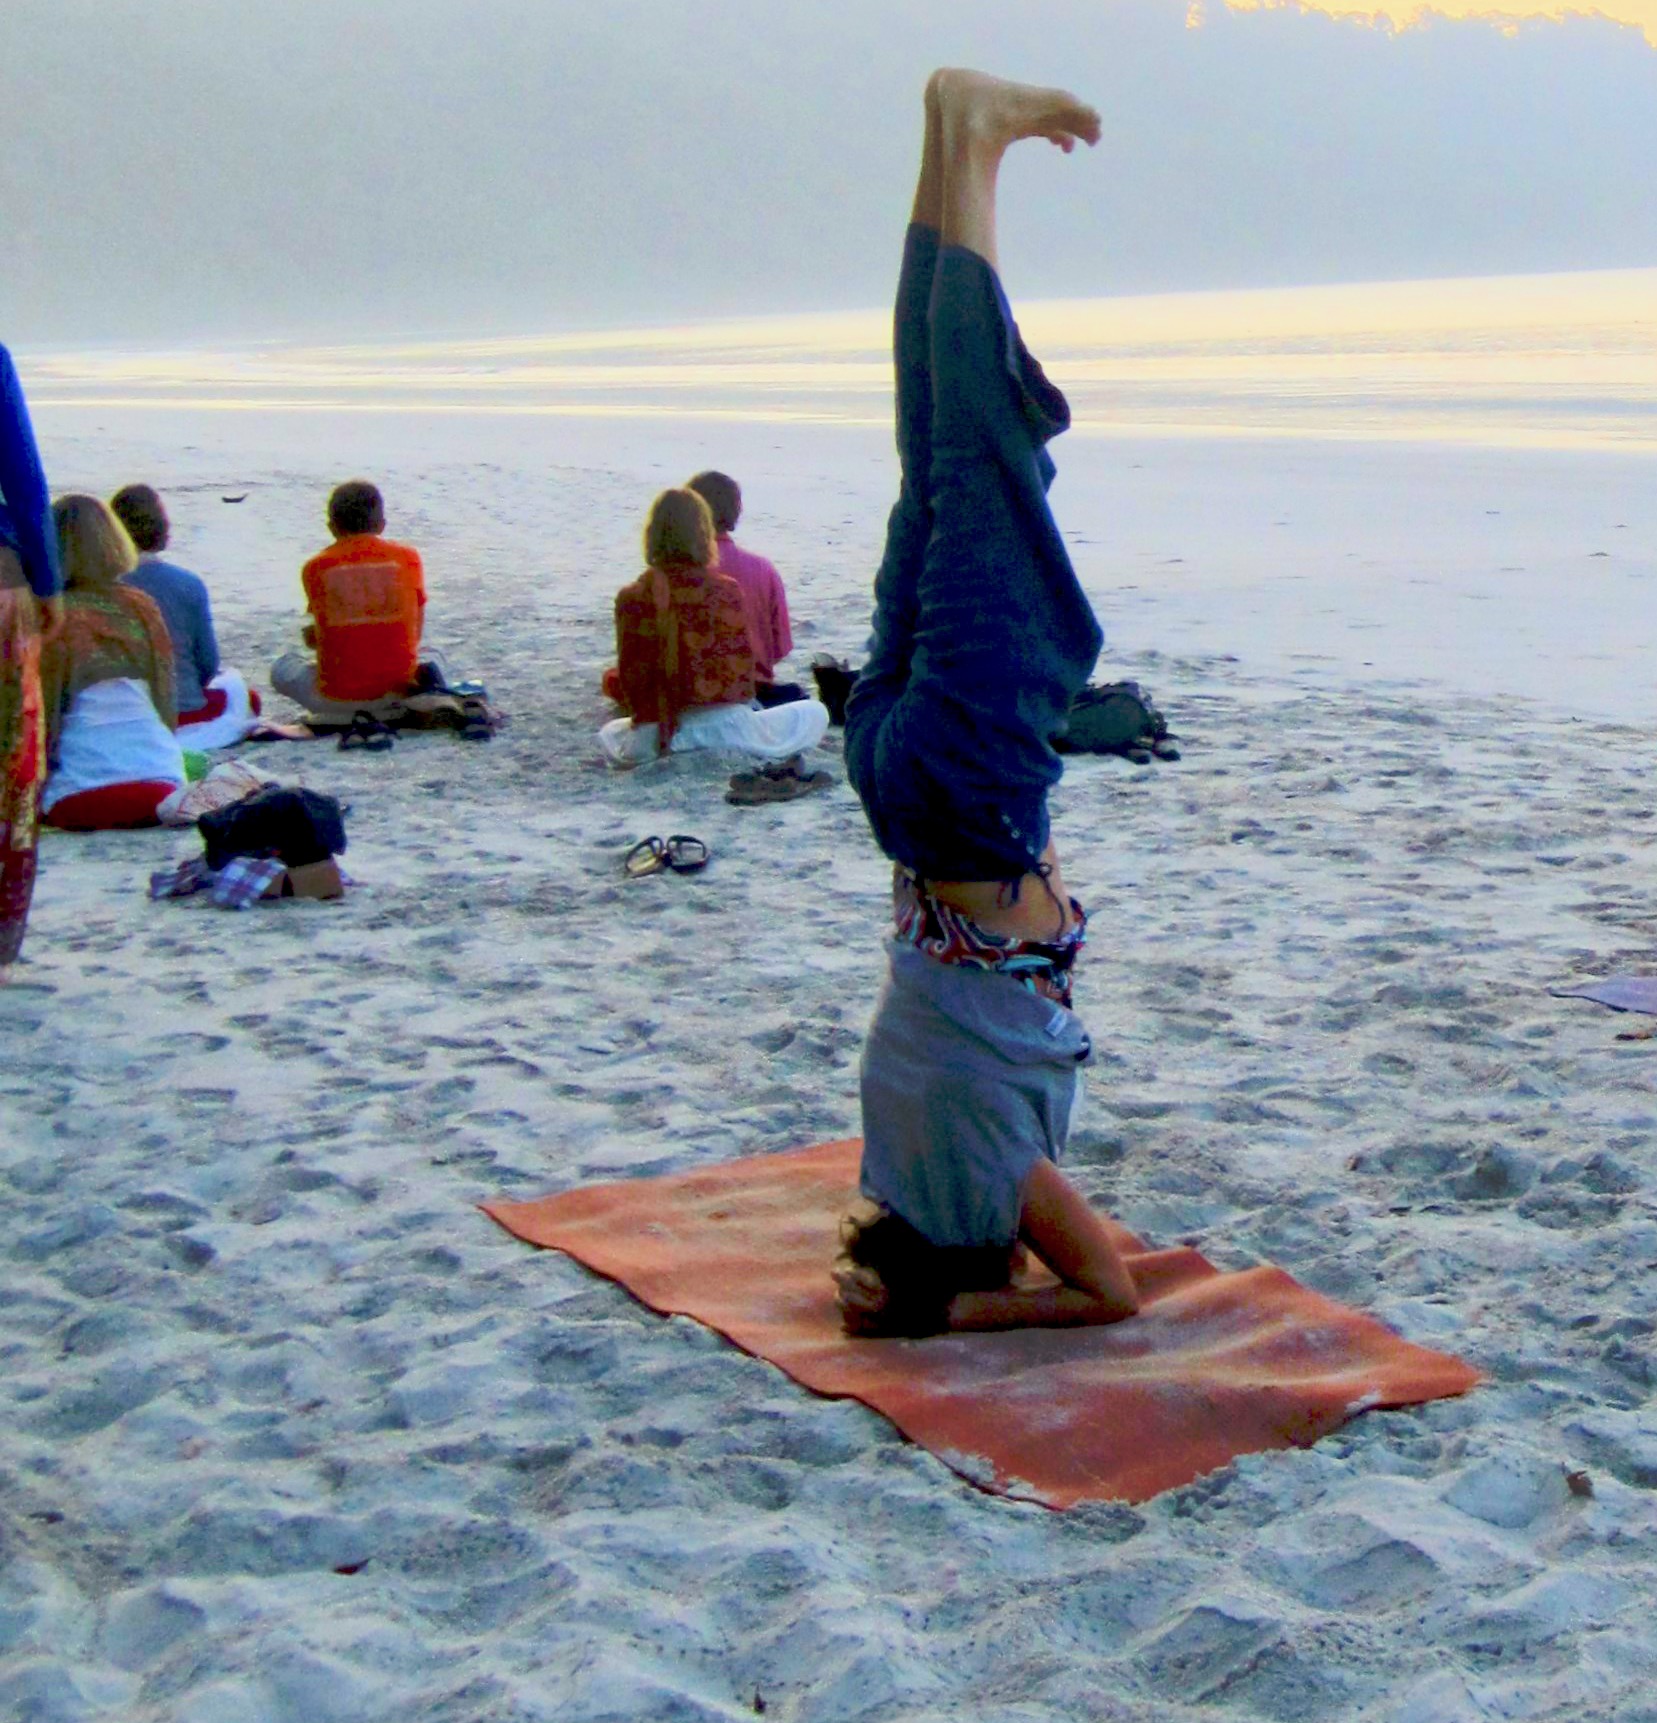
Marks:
<point>241,882</point>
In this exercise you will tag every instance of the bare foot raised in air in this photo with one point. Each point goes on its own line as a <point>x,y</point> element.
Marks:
<point>992,113</point>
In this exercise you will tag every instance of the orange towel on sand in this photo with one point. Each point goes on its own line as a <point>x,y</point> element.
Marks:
<point>1214,1365</point>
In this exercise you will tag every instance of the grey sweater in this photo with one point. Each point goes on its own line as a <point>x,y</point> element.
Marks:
<point>967,1078</point>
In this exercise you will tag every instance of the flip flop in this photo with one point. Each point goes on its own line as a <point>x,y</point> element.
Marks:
<point>647,856</point>
<point>477,722</point>
<point>367,732</point>
<point>685,854</point>
<point>681,852</point>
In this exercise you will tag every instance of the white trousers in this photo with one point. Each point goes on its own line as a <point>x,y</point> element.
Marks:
<point>232,723</point>
<point>111,734</point>
<point>777,733</point>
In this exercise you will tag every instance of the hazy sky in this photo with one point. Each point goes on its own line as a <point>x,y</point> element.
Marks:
<point>175,169</point>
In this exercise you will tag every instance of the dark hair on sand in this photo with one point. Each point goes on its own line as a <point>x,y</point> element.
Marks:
<point>356,506</point>
<point>138,508</point>
<point>920,1277</point>
<point>722,494</point>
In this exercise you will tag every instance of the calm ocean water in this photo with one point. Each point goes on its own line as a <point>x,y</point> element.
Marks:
<point>1555,361</point>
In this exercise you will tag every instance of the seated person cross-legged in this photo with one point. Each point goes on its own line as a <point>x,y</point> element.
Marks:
<point>106,684</point>
<point>764,601</point>
<point>685,664</point>
<point>366,596</point>
<point>215,706</point>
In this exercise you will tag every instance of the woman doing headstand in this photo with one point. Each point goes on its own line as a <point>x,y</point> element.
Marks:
<point>982,637</point>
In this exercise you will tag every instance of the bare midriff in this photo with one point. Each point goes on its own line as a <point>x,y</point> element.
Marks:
<point>1034,907</point>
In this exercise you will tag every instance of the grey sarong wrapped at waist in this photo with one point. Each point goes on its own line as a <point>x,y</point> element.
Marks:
<point>967,1078</point>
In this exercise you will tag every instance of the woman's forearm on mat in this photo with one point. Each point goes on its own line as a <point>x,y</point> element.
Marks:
<point>1038,1307</point>
<point>1061,1226</point>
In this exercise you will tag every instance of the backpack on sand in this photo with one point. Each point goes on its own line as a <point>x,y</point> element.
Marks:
<point>1116,718</point>
<point>298,826</point>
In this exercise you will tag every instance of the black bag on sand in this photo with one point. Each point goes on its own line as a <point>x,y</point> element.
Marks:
<point>834,678</point>
<point>1116,718</point>
<point>296,826</point>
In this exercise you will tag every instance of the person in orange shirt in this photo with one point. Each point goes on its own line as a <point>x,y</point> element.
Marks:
<point>366,596</point>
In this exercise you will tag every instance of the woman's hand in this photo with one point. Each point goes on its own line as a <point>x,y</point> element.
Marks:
<point>863,1299</point>
<point>49,616</point>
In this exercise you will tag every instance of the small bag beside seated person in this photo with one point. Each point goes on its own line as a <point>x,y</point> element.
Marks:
<point>106,683</point>
<point>684,659</point>
<point>215,705</point>
<point>367,601</point>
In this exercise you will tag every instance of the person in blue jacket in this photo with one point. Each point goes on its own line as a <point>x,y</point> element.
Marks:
<point>31,604</point>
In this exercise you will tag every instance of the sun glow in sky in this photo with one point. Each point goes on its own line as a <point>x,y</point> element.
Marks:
<point>1538,361</point>
<point>1403,13</point>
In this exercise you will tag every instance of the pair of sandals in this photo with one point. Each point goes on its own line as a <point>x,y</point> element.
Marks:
<point>1142,752</point>
<point>680,853</point>
<point>778,783</point>
<point>367,732</point>
<point>469,715</point>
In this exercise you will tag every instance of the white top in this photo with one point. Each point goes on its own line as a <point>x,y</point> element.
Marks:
<point>112,734</point>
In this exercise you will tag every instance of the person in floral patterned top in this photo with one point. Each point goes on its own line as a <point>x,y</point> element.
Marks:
<point>684,661</point>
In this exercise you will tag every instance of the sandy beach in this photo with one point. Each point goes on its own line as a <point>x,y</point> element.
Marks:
<point>293,1434</point>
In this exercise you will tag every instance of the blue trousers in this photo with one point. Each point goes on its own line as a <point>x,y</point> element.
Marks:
<point>982,634</point>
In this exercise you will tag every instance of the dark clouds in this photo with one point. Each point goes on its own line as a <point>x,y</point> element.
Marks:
<point>185,168</point>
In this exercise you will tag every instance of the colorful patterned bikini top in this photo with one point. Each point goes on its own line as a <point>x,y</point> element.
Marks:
<point>951,936</point>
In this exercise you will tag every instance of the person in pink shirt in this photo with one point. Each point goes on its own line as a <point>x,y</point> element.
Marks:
<point>764,602</point>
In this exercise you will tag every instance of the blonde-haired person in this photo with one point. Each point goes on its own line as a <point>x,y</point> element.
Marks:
<point>107,682</point>
<point>684,660</point>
